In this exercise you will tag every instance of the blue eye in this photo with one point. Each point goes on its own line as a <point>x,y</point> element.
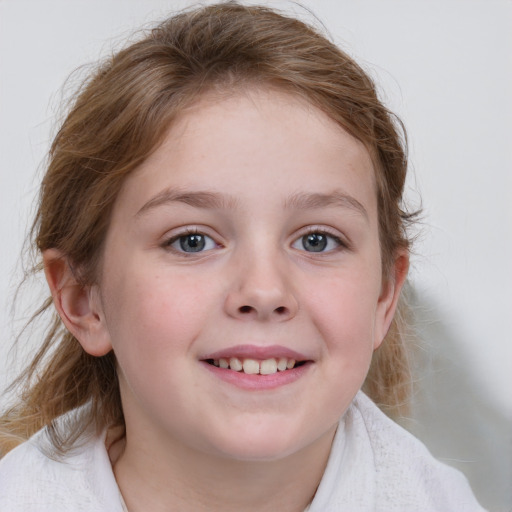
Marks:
<point>317,241</point>
<point>192,242</point>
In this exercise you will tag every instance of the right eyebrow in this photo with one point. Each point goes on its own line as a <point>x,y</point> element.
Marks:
<point>196,198</point>
<point>337,198</point>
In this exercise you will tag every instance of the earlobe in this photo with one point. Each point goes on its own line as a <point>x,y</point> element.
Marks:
<point>79,306</point>
<point>390,294</point>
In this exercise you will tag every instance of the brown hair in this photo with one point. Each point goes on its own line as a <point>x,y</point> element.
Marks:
<point>120,116</point>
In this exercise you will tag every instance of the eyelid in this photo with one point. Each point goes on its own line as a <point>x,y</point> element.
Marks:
<point>172,237</point>
<point>342,241</point>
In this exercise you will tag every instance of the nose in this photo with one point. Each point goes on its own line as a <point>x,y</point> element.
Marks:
<point>261,288</point>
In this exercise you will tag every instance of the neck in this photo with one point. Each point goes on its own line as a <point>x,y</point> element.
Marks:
<point>179,478</point>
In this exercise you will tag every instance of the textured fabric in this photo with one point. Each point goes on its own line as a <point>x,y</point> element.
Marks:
<point>82,481</point>
<point>374,465</point>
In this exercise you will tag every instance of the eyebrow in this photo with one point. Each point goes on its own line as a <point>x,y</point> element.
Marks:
<point>197,199</point>
<point>214,200</point>
<point>308,201</point>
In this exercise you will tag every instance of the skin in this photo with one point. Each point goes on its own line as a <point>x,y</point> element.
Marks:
<point>277,169</point>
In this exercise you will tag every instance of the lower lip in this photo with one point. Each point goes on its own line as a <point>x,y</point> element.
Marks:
<point>258,382</point>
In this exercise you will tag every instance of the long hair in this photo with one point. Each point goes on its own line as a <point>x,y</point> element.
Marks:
<point>120,115</point>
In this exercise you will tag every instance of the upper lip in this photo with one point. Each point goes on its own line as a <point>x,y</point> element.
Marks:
<point>256,352</point>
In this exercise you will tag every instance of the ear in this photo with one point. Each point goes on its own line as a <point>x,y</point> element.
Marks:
<point>390,293</point>
<point>78,306</point>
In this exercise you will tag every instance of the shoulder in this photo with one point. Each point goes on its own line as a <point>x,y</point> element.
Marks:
<point>377,465</point>
<point>32,480</point>
<point>406,470</point>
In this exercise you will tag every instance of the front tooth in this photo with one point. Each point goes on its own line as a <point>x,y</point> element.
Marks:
<point>223,363</point>
<point>235,364</point>
<point>290,364</point>
<point>281,364</point>
<point>251,366</point>
<point>268,366</point>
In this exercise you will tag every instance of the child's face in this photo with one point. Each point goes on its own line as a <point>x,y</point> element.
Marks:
<point>251,233</point>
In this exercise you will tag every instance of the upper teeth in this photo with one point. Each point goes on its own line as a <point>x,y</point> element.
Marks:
<point>253,366</point>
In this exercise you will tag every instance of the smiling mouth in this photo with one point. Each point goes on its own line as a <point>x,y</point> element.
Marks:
<point>256,367</point>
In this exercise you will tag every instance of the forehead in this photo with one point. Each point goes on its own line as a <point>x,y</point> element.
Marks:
<point>250,140</point>
<point>284,115</point>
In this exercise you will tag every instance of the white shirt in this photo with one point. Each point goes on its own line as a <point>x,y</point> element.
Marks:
<point>374,465</point>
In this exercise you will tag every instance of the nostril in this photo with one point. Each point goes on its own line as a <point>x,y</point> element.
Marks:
<point>248,311</point>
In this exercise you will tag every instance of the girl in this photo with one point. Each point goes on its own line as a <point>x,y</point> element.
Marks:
<point>222,231</point>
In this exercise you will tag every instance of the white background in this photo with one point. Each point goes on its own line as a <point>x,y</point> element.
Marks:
<point>445,67</point>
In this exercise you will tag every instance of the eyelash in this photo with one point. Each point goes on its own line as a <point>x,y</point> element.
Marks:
<point>205,242</point>
<point>316,230</point>
<point>168,244</point>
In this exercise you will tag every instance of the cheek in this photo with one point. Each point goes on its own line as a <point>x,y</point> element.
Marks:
<point>153,326</point>
<point>344,311</point>
<point>154,316</point>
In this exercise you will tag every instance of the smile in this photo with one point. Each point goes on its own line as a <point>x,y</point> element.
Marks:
<point>251,366</point>
<point>257,368</point>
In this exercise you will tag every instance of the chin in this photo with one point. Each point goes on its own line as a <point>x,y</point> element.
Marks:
<point>265,452</point>
<point>263,444</point>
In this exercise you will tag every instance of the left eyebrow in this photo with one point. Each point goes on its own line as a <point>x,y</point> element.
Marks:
<point>197,199</point>
<point>308,201</point>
